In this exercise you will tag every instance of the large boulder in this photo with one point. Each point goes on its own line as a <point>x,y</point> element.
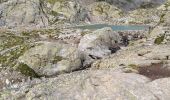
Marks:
<point>99,43</point>
<point>50,59</point>
<point>14,45</point>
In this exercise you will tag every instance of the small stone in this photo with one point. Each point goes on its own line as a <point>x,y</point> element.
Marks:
<point>7,81</point>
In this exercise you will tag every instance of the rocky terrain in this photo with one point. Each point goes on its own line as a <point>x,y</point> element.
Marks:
<point>43,56</point>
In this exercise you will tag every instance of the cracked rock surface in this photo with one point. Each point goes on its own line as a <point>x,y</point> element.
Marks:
<point>95,84</point>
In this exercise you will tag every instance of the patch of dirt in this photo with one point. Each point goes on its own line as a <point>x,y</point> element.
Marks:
<point>155,71</point>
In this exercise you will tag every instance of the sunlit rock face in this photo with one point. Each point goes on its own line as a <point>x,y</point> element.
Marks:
<point>102,39</point>
<point>22,12</point>
<point>99,44</point>
<point>42,13</point>
<point>50,59</point>
<point>95,85</point>
<point>102,11</point>
<point>60,11</point>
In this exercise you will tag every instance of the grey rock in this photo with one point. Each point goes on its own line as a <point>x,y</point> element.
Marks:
<point>100,39</point>
<point>22,12</point>
<point>65,11</point>
<point>2,23</point>
<point>98,43</point>
<point>137,57</point>
<point>166,19</point>
<point>128,5</point>
<point>160,88</point>
<point>101,84</point>
<point>9,77</point>
<point>50,59</point>
<point>103,12</point>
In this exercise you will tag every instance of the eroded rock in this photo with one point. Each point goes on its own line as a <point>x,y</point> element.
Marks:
<point>101,84</point>
<point>50,59</point>
<point>99,43</point>
<point>102,11</point>
<point>136,58</point>
<point>22,12</point>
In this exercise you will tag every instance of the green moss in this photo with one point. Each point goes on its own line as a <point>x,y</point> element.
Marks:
<point>13,45</point>
<point>99,9</point>
<point>10,57</point>
<point>10,40</point>
<point>26,70</point>
<point>57,59</point>
<point>159,39</point>
<point>133,66</point>
<point>84,33</point>
<point>162,19</point>
<point>30,34</point>
<point>167,5</point>
<point>11,48</point>
<point>54,13</point>
<point>53,1</point>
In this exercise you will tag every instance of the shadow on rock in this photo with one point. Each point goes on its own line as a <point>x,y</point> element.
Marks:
<point>155,71</point>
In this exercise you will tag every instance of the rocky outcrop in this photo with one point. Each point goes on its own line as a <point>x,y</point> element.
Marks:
<point>50,59</point>
<point>140,59</point>
<point>144,16</point>
<point>95,84</point>
<point>159,88</point>
<point>128,5</point>
<point>99,43</point>
<point>21,12</point>
<point>71,11</point>
<point>102,11</point>
<point>40,13</point>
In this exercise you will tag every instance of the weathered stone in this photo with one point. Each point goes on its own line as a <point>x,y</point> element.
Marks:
<point>13,45</point>
<point>52,58</point>
<point>22,12</point>
<point>102,11</point>
<point>98,44</point>
<point>166,19</point>
<point>59,11</point>
<point>149,16</point>
<point>9,77</point>
<point>101,84</point>
<point>138,57</point>
<point>101,39</point>
<point>128,5</point>
<point>160,88</point>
